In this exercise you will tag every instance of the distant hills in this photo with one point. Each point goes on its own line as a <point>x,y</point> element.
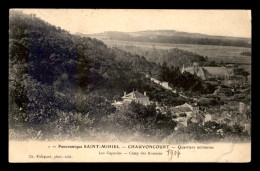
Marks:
<point>172,36</point>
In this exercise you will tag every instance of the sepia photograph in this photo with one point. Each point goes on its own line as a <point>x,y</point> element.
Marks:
<point>129,85</point>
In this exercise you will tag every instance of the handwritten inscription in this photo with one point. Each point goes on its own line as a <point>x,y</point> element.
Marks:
<point>172,153</point>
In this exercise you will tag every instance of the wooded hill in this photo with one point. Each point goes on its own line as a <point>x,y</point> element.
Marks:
<point>174,37</point>
<point>56,58</point>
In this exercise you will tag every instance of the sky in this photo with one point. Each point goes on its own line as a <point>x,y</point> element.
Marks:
<point>234,23</point>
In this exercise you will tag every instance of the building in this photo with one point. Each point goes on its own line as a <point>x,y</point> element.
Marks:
<point>186,108</point>
<point>184,111</point>
<point>208,117</point>
<point>208,72</point>
<point>181,110</point>
<point>246,126</point>
<point>136,97</point>
<point>185,105</point>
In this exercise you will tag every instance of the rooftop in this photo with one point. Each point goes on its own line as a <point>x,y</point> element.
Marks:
<point>216,70</point>
<point>134,94</point>
<point>207,72</point>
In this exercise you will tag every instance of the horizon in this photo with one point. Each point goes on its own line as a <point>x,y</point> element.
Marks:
<point>223,23</point>
<point>167,30</point>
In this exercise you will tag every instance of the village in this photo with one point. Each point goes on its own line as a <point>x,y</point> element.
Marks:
<point>231,91</point>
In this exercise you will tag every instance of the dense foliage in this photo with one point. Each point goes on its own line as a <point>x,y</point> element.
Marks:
<point>58,80</point>
<point>241,71</point>
<point>185,81</point>
<point>139,123</point>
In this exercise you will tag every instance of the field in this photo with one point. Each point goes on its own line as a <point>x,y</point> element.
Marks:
<point>218,53</point>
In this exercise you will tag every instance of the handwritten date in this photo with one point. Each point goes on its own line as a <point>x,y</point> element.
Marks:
<point>172,153</point>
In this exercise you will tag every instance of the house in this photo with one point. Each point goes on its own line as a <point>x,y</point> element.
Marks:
<point>136,97</point>
<point>185,108</point>
<point>175,111</point>
<point>208,117</point>
<point>185,105</point>
<point>186,111</point>
<point>195,109</point>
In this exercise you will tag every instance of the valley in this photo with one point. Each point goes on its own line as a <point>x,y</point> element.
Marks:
<point>227,54</point>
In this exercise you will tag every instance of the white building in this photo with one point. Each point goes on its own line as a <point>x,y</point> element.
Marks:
<point>208,117</point>
<point>136,97</point>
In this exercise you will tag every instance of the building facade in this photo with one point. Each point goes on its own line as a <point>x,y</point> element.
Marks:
<point>136,97</point>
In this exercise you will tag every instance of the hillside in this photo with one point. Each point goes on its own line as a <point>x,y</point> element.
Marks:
<point>66,83</point>
<point>173,37</point>
<point>175,57</point>
<point>53,57</point>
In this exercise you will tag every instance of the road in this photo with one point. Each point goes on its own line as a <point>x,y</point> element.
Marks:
<point>180,94</point>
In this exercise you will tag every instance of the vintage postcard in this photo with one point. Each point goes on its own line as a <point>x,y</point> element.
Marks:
<point>129,85</point>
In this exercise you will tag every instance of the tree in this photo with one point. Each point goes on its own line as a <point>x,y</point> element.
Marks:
<point>241,71</point>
